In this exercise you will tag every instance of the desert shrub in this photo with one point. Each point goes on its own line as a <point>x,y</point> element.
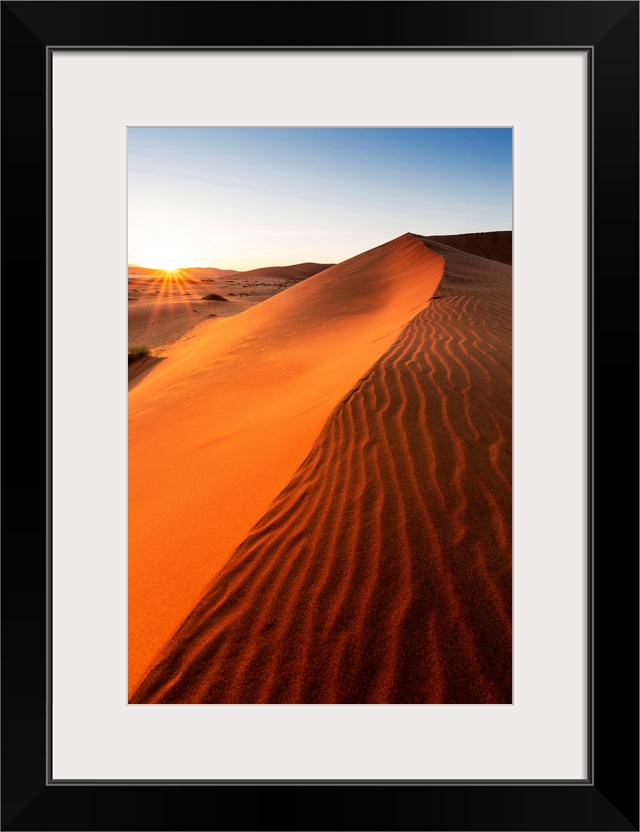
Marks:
<point>138,352</point>
<point>213,296</point>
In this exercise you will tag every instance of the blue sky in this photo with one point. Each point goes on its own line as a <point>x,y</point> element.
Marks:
<point>240,198</point>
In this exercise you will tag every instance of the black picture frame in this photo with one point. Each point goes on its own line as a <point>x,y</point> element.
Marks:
<point>608,798</point>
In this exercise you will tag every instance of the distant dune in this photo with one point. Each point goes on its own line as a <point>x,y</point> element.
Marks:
<point>219,429</point>
<point>495,245</point>
<point>381,573</point>
<point>204,272</point>
<point>164,307</point>
<point>141,271</point>
<point>189,271</point>
<point>297,271</point>
<point>300,271</point>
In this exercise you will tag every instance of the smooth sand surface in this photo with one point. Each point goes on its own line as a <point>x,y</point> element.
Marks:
<point>164,307</point>
<point>382,572</point>
<point>219,429</point>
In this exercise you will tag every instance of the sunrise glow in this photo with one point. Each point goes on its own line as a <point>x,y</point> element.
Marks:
<point>243,198</point>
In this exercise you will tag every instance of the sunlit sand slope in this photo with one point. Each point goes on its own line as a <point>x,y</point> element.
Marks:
<point>382,572</point>
<point>219,428</point>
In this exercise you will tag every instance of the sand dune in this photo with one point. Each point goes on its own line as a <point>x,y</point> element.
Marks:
<point>204,272</point>
<point>495,245</point>
<point>165,307</point>
<point>300,271</point>
<point>218,430</point>
<point>141,271</point>
<point>188,271</point>
<point>382,571</point>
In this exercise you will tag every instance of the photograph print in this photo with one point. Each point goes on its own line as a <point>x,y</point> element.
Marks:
<point>319,415</point>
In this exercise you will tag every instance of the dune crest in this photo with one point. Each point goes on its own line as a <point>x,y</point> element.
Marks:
<point>218,429</point>
<point>382,572</point>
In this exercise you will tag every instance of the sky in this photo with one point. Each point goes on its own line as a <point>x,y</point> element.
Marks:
<point>241,198</point>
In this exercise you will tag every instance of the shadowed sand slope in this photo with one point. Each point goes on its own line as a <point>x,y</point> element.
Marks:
<point>382,572</point>
<point>495,245</point>
<point>218,429</point>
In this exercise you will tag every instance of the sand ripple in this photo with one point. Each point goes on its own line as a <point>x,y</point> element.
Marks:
<point>382,572</point>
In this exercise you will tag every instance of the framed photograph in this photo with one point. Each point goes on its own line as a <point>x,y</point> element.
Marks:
<point>289,559</point>
<point>326,442</point>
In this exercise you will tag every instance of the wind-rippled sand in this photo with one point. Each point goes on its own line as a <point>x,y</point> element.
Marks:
<point>380,572</point>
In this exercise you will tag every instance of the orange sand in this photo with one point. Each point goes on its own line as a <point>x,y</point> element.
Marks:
<point>218,429</point>
<point>164,307</point>
<point>382,572</point>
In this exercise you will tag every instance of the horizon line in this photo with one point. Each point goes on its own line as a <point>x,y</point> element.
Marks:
<point>314,262</point>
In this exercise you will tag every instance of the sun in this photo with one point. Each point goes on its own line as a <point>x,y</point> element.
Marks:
<point>170,267</point>
<point>168,257</point>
